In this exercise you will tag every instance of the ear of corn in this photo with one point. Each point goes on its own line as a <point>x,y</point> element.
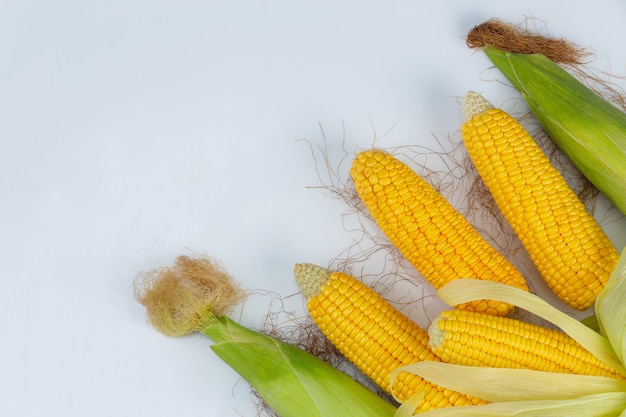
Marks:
<point>566,244</point>
<point>524,392</point>
<point>186,297</point>
<point>372,334</point>
<point>464,290</point>
<point>477,339</point>
<point>434,237</point>
<point>589,129</point>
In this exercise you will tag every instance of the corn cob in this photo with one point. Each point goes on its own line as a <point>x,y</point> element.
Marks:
<point>372,334</point>
<point>477,339</point>
<point>434,237</point>
<point>569,248</point>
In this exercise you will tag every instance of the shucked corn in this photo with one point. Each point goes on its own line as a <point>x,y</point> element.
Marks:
<point>476,339</point>
<point>566,244</point>
<point>428,231</point>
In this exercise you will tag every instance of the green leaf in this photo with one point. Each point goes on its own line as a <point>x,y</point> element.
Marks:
<point>292,381</point>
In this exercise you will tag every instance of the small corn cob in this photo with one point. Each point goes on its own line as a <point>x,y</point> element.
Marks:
<point>567,245</point>
<point>477,339</point>
<point>434,237</point>
<point>372,334</point>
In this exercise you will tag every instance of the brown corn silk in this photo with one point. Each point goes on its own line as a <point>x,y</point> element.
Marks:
<point>517,39</point>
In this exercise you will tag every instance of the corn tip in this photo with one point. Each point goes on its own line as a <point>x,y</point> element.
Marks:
<point>310,278</point>
<point>435,335</point>
<point>474,103</point>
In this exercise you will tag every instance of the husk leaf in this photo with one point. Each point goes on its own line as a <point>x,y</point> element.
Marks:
<point>611,308</point>
<point>292,381</point>
<point>608,404</point>
<point>504,384</point>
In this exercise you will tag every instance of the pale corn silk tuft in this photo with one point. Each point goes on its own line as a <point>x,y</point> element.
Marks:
<point>183,297</point>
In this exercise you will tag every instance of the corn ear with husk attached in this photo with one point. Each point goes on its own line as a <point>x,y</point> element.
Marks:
<point>530,393</point>
<point>193,295</point>
<point>590,130</point>
<point>292,381</point>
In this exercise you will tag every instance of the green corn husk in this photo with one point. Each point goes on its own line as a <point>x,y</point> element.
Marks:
<point>292,381</point>
<point>589,129</point>
<point>194,295</point>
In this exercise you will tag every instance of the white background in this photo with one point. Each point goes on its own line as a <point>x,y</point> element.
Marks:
<point>134,131</point>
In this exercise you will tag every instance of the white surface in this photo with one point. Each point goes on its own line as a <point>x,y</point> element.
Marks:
<point>134,131</point>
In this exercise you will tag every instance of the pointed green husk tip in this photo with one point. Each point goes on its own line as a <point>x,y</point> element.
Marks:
<point>590,130</point>
<point>292,381</point>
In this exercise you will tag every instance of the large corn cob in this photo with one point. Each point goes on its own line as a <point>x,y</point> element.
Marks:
<point>372,334</point>
<point>434,237</point>
<point>477,339</point>
<point>566,244</point>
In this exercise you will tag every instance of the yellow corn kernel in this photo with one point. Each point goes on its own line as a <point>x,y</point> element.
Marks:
<point>477,339</point>
<point>434,237</point>
<point>372,334</point>
<point>566,244</point>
